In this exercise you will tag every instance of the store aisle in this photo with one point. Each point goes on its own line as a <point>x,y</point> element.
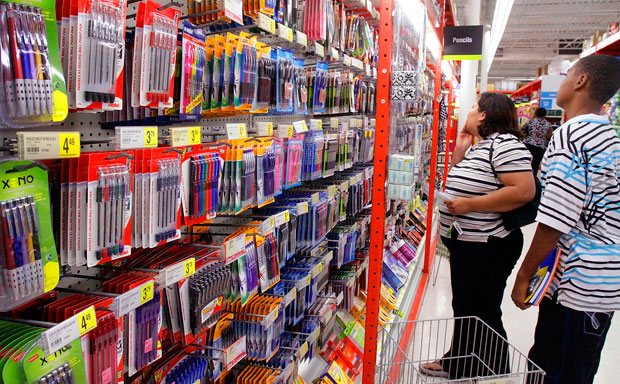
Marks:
<point>519,324</point>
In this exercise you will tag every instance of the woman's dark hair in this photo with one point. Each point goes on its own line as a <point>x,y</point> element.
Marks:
<point>501,115</point>
<point>540,112</point>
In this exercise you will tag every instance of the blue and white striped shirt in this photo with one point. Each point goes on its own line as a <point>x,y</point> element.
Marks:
<point>581,198</point>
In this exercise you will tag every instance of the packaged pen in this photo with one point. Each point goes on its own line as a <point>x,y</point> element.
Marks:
<point>245,68</point>
<point>156,55</point>
<point>33,86</point>
<point>106,196</point>
<point>300,89</point>
<point>28,257</point>
<point>192,70</point>
<point>228,73</point>
<point>207,77</point>
<point>285,79</point>
<point>101,47</point>
<point>217,73</point>
<point>266,72</point>
<point>320,84</point>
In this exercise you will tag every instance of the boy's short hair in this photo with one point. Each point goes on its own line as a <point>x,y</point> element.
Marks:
<point>603,75</point>
<point>540,112</point>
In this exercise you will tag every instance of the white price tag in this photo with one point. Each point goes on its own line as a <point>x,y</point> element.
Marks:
<point>300,126</point>
<point>339,298</point>
<point>236,131</point>
<point>302,208</point>
<point>359,64</point>
<point>303,282</point>
<point>267,226</point>
<point>285,131</point>
<point>182,136</point>
<point>285,32</point>
<point>329,257</point>
<point>282,217</point>
<point>135,138</point>
<point>316,125</point>
<point>264,128</point>
<point>69,330</point>
<point>317,269</point>
<point>333,123</point>
<point>235,353</point>
<point>302,39</point>
<point>314,198</point>
<point>177,272</point>
<point>314,335</point>
<point>301,352</point>
<point>290,296</point>
<point>346,60</point>
<point>134,298</point>
<point>234,248</point>
<point>331,190</point>
<point>271,317</point>
<point>266,23</point>
<point>368,70</point>
<point>48,145</point>
<point>319,50</point>
<point>335,54</point>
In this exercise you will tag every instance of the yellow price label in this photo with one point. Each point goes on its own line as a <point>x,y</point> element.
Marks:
<point>287,216</point>
<point>290,35</point>
<point>291,131</point>
<point>69,144</point>
<point>243,133</point>
<point>320,267</point>
<point>272,222</point>
<point>189,267</point>
<point>150,137</point>
<point>86,320</point>
<point>270,129</point>
<point>194,136</point>
<point>146,293</point>
<point>303,349</point>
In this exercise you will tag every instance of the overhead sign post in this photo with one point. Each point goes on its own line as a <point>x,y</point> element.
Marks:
<point>462,42</point>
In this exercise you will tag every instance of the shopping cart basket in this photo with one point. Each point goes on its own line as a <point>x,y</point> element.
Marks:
<point>476,354</point>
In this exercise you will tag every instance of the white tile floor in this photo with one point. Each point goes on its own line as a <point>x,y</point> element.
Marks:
<point>519,324</point>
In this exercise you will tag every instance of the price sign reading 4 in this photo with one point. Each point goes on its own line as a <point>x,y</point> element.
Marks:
<point>69,144</point>
<point>87,320</point>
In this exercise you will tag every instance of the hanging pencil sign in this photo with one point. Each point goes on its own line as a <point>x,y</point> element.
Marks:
<point>233,9</point>
<point>462,42</point>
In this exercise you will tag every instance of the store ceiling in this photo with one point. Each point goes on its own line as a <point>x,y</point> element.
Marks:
<point>537,29</point>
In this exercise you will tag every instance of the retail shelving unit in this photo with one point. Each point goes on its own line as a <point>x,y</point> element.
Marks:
<point>416,283</point>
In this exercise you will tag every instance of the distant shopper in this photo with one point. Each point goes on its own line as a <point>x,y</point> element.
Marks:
<point>482,251</point>
<point>579,212</point>
<point>537,134</point>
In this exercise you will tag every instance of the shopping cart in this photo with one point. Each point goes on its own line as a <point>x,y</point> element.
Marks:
<point>477,354</point>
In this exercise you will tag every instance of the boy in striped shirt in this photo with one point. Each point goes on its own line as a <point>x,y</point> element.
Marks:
<point>579,212</point>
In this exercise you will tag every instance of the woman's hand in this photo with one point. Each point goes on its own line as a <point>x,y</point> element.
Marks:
<point>463,141</point>
<point>459,205</point>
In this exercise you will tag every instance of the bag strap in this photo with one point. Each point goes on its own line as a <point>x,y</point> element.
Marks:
<point>491,163</point>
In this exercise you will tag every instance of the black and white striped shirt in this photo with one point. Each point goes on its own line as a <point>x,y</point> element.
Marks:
<point>581,199</point>
<point>473,177</point>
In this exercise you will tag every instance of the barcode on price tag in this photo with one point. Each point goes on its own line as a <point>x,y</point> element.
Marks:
<point>234,248</point>
<point>183,136</point>
<point>135,138</point>
<point>48,145</point>
<point>69,330</point>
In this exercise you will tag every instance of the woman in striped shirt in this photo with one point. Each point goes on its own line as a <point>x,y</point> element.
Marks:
<point>482,251</point>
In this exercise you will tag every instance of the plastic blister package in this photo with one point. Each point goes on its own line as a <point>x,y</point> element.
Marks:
<point>33,87</point>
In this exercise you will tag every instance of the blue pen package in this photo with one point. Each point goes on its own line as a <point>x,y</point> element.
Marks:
<point>284,79</point>
<point>300,88</point>
<point>320,85</point>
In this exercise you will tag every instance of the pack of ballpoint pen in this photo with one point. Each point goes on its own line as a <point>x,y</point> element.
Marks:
<point>101,54</point>
<point>154,56</point>
<point>28,259</point>
<point>32,87</point>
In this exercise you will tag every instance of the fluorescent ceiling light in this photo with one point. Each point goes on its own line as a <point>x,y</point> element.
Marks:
<point>500,19</point>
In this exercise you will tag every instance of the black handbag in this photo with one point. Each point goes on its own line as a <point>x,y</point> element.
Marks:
<point>521,216</point>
